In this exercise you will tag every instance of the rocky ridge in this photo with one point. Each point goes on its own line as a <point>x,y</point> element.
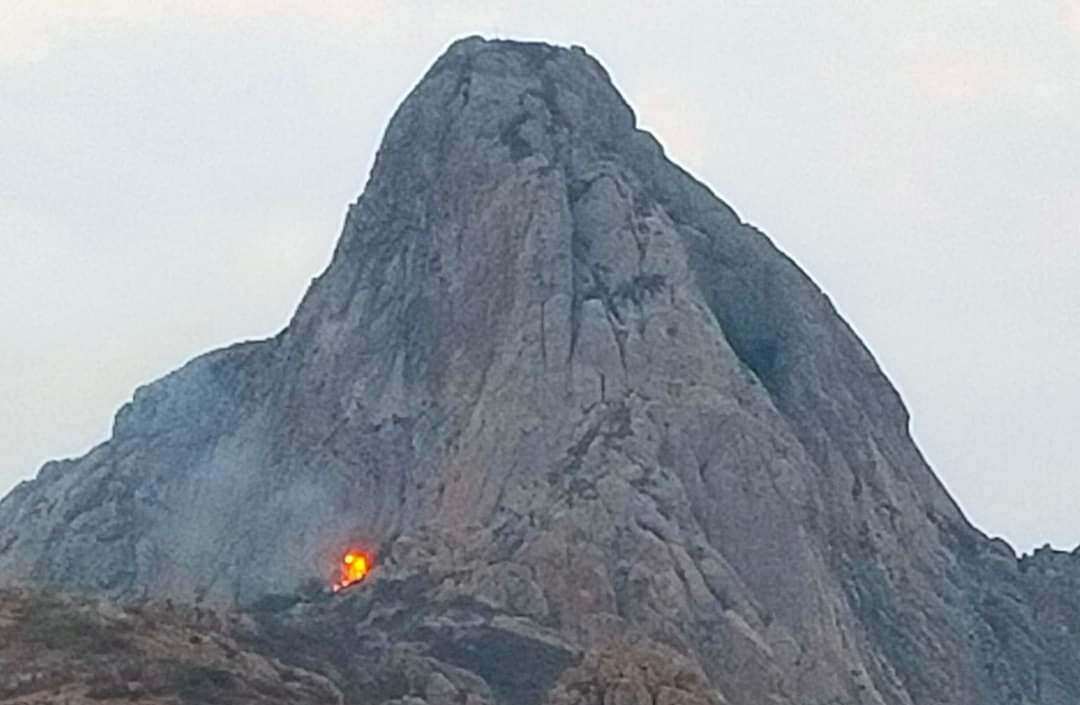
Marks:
<point>596,421</point>
<point>62,650</point>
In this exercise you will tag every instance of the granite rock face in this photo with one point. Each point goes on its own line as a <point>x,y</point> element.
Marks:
<point>596,419</point>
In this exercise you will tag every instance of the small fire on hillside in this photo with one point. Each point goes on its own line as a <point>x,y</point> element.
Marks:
<point>354,567</point>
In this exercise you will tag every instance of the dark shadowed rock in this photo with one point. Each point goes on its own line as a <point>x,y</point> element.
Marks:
<point>592,420</point>
<point>78,651</point>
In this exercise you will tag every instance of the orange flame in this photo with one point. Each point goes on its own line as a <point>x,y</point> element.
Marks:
<point>354,568</point>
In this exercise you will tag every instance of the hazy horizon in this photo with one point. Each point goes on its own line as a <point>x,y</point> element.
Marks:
<point>176,176</point>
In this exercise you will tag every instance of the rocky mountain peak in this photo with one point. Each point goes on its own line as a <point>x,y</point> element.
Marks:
<point>578,410</point>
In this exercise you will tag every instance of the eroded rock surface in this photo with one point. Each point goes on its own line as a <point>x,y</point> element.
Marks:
<point>596,418</point>
<point>56,650</point>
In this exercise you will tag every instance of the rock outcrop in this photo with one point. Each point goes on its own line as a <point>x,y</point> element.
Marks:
<point>596,421</point>
<point>63,651</point>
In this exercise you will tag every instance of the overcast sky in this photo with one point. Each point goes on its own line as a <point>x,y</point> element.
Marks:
<point>171,177</point>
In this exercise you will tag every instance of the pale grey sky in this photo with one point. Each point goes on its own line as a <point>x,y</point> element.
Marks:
<point>172,175</point>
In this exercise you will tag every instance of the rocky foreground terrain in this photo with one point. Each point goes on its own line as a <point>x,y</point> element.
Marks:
<point>605,443</point>
<point>374,645</point>
<point>56,649</point>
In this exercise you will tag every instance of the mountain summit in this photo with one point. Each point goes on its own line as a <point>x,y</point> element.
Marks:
<point>589,425</point>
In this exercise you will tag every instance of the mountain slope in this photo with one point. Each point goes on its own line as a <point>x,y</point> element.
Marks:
<point>62,650</point>
<point>557,379</point>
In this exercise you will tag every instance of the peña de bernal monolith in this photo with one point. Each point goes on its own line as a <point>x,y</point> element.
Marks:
<point>607,443</point>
